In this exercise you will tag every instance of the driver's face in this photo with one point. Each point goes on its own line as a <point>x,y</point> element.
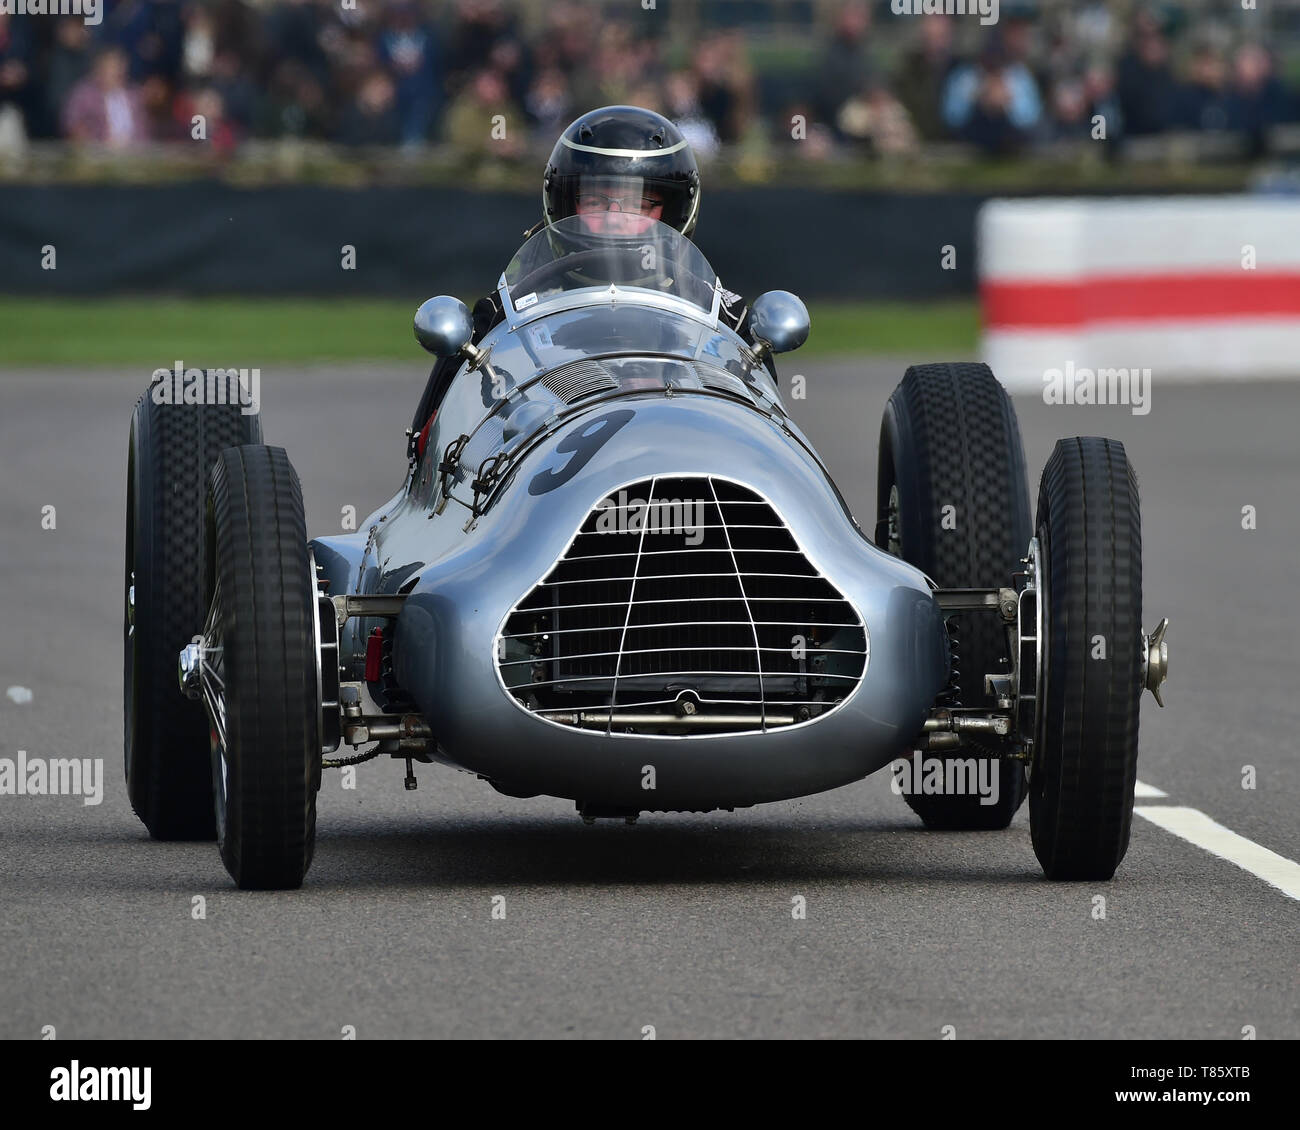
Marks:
<point>619,210</point>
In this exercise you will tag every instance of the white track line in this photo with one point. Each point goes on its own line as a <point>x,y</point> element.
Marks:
<point>1195,827</point>
<point>1142,789</point>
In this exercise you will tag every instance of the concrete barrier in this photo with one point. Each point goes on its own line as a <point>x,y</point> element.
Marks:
<point>1189,287</point>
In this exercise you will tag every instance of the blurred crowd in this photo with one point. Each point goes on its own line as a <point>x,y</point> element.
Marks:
<point>496,78</point>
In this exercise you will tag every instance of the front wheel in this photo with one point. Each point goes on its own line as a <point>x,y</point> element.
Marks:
<point>260,669</point>
<point>1089,530</point>
<point>172,449</point>
<point>953,500</point>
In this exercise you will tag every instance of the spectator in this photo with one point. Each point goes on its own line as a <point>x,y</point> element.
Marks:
<point>1016,34</point>
<point>843,70</point>
<point>924,72</point>
<point>476,27</point>
<point>616,65</point>
<point>219,131</point>
<point>994,104</point>
<point>157,97</point>
<point>1033,53</point>
<point>1063,47</point>
<point>67,65</point>
<point>1146,86</point>
<point>682,96</point>
<point>294,33</point>
<point>409,51</point>
<point>352,49</point>
<point>1257,99</point>
<point>104,109</point>
<point>152,34</point>
<point>549,103</point>
<point>1088,30</point>
<point>296,68</point>
<point>373,117</point>
<point>294,104</point>
<point>482,123</point>
<point>725,84</point>
<point>239,30</point>
<point>238,94</point>
<point>199,45</point>
<point>1069,106</point>
<point>567,39</point>
<point>17,86</point>
<point>1102,99</point>
<point>1078,99</point>
<point>876,119</point>
<point>510,60</point>
<point>648,95</point>
<point>807,137</point>
<point>568,44</point>
<point>1202,104</point>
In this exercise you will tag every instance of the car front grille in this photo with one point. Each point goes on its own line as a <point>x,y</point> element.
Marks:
<point>683,606</point>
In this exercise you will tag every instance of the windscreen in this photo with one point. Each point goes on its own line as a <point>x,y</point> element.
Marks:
<point>600,246</point>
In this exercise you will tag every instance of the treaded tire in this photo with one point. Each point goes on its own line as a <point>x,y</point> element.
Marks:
<point>1085,761</point>
<point>950,437</point>
<point>165,735</point>
<point>267,772</point>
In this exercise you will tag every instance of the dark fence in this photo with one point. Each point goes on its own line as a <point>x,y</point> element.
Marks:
<point>211,238</point>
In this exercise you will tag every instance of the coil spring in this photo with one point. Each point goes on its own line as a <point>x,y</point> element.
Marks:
<point>951,693</point>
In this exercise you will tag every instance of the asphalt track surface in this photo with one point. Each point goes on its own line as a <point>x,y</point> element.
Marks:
<point>680,922</point>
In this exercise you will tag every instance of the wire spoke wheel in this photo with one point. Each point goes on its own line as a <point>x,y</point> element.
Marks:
<point>212,669</point>
<point>259,670</point>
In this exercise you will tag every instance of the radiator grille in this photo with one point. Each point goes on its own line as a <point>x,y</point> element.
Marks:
<point>683,606</point>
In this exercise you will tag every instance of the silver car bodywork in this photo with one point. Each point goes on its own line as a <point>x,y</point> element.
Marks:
<point>578,395</point>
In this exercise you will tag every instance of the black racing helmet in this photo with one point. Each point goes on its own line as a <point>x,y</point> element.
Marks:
<point>620,156</point>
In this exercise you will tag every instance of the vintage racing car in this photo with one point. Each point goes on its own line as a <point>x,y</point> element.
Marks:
<point>616,571</point>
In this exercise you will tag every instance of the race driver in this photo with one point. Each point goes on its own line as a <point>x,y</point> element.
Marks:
<point>618,169</point>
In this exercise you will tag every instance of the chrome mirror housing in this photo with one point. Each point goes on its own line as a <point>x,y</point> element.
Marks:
<point>444,327</point>
<point>778,322</point>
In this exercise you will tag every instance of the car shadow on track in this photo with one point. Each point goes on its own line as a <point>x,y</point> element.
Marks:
<point>545,851</point>
<point>567,853</point>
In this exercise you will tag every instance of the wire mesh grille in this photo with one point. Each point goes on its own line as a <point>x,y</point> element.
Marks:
<point>683,606</point>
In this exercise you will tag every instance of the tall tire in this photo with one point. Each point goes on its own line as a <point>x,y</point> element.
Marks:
<point>266,765</point>
<point>950,438</point>
<point>165,735</point>
<point>1085,760</point>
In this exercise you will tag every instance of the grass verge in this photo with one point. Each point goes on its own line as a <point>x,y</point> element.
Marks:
<point>246,332</point>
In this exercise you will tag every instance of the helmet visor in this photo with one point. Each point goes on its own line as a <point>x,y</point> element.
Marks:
<point>617,206</point>
<point>621,206</point>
